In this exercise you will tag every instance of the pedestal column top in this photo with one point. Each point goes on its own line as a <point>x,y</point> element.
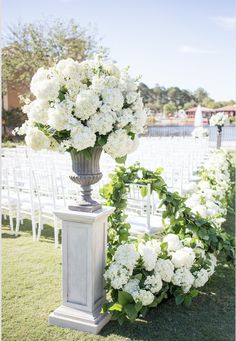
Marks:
<point>86,217</point>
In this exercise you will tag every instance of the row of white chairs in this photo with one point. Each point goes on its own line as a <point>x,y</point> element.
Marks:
<point>37,183</point>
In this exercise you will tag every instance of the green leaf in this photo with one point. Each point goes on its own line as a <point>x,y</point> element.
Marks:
<point>121,159</point>
<point>179,299</point>
<point>144,191</point>
<point>194,292</point>
<point>87,153</point>
<point>138,276</point>
<point>104,308</point>
<point>124,298</point>
<point>102,140</point>
<point>138,306</point>
<point>131,311</point>
<point>187,300</point>
<point>116,306</point>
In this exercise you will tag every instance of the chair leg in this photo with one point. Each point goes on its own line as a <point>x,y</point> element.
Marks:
<point>17,223</point>
<point>56,232</point>
<point>33,227</point>
<point>40,227</point>
<point>11,224</point>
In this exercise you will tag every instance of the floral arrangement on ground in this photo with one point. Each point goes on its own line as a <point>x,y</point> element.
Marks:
<point>142,272</point>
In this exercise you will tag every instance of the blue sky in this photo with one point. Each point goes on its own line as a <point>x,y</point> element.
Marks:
<point>185,43</point>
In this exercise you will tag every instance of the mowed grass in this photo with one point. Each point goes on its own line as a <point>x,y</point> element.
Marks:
<point>31,289</point>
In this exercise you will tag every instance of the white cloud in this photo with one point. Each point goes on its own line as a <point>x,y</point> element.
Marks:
<point>228,23</point>
<point>195,50</point>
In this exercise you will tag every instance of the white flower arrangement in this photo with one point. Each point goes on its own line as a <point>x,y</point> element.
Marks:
<point>82,105</point>
<point>219,119</point>
<point>200,132</point>
<point>208,197</point>
<point>177,268</point>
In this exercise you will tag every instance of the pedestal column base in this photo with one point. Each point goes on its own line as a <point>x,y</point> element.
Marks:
<point>67,317</point>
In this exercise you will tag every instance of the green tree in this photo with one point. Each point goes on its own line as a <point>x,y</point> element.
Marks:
<point>30,46</point>
<point>200,95</point>
<point>169,108</point>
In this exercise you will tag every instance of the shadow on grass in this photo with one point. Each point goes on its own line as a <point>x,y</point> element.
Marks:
<point>47,234</point>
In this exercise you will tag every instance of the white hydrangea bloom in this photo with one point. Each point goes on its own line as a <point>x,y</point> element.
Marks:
<point>101,123</point>
<point>149,252</point>
<point>201,277</point>
<point>132,286</point>
<point>60,114</point>
<point>153,283</point>
<point>82,137</point>
<point>87,103</point>
<point>138,122</point>
<point>113,97</point>
<point>118,275</point>
<point>173,241</point>
<point>124,117</point>
<point>37,111</point>
<point>131,97</point>
<point>36,139</point>
<point>218,119</point>
<point>44,85</point>
<point>119,144</point>
<point>183,258</point>
<point>126,255</point>
<point>183,278</point>
<point>143,296</point>
<point>165,269</point>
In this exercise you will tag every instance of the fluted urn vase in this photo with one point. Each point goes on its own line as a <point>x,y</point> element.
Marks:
<point>86,173</point>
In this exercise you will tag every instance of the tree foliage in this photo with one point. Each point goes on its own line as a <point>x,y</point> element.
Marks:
<point>29,46</point>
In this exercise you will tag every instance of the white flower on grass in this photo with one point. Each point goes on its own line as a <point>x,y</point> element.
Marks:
<point>132,286</point>
<point>201,277</point>
<point>165,269</point>
<point>86,105</point>
<point>44,85</point>
<point>118,275</point>
<point>153,283</point>
<point>36,139</point>
<point>183,278</point>
<point>173,241</point>
<point>183,258</point>
<point>37,111</point>
<point>126,255</point>
<point>82,137</point>
<point>143,296</point>
<point>113,97</point>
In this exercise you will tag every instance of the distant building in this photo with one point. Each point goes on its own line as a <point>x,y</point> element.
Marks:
<point>229,110</point>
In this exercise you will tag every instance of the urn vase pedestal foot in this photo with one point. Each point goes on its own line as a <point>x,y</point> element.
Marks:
<point>83,261</point>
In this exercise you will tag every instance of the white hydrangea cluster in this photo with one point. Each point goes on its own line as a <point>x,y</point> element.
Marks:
<point>218,119</point>
<point>126,255</point>
<point>153,283</point>
<point>177,267</point>
<point>207,197</point>
<point>183,278</point>
<point>143,296</point>
<point>165,268</point>
<point>76,103</point>
<point>118,275</point>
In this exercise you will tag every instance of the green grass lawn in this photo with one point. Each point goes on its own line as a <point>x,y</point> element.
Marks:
<point>31,289</point>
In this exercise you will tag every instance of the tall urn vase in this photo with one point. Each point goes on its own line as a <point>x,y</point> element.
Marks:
<point>218,138</point>
<point>86,173</point>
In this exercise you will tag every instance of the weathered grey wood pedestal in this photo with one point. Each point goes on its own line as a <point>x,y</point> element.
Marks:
<point>83,261</point>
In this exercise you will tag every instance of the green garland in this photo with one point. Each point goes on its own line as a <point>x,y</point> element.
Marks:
<point>181,219</point>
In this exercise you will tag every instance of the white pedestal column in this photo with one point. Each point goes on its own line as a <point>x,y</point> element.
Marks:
<point>84,238</point>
